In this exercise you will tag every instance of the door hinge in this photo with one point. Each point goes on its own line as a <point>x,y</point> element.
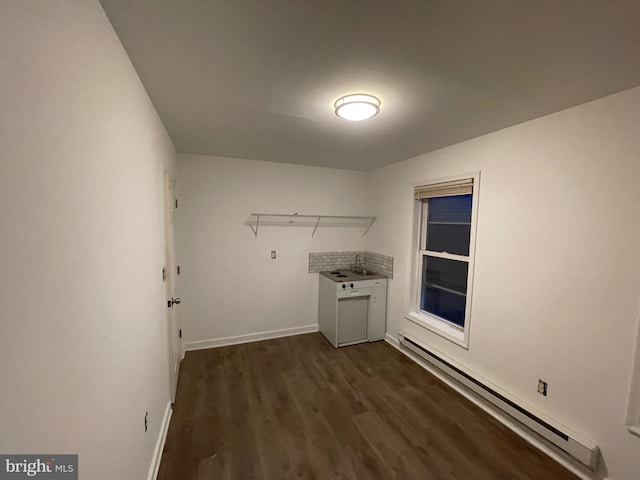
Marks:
<point>176,203</point>
<point>180,333</point>
<point>164,274</point>
<point>178,269</point>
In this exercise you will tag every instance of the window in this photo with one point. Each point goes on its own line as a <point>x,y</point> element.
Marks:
<point>443,273</point>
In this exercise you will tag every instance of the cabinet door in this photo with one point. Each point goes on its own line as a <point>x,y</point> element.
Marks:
<point>378,314</point>
<point>352,319</point>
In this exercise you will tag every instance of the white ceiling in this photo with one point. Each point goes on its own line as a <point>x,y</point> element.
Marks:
<point>257,79</point>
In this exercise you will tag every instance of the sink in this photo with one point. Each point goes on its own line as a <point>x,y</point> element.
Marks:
<point>352,274</point>
<point>363,273</point>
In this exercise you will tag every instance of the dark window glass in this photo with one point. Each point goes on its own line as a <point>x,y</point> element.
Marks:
<point>449,224</point>
<point>444,287</point>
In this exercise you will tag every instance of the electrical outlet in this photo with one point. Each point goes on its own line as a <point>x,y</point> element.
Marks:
<point>273,254</point>
<point>542,387</point>
<point>146,421</point>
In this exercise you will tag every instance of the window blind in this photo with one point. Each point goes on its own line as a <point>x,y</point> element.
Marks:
<point>445,189</point>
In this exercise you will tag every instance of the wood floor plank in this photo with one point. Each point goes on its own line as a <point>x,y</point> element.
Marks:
<point>431,436</point>
<point>296,407</point>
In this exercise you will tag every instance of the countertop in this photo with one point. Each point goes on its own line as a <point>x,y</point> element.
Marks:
<point>347,275</point>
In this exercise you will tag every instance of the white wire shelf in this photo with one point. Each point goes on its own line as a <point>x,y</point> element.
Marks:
<point>257,220</point>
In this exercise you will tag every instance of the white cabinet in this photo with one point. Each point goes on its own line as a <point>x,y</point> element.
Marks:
<point>377,327</point>
<point>352,312</point>
<point>328,310</point>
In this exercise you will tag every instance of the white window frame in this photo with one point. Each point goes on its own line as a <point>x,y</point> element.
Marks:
<point>433,323</point>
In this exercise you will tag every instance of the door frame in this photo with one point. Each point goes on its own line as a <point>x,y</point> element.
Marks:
<point>175,344</point>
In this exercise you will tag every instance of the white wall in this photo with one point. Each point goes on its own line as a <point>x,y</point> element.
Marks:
<point>83,348</point>
<point>557,277</point>
<point>229,284</point>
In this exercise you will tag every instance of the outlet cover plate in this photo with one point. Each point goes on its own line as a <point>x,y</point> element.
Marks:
<point>542,387</point>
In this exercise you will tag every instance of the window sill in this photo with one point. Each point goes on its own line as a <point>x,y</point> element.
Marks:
<point>439,327</point>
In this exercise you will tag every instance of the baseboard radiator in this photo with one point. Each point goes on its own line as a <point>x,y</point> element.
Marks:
<point>581,449</point>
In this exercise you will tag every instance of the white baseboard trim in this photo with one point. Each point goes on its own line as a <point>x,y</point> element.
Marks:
<point>393,342</point>
<point>503,418</point>
<point>162,438</point>
<point>251,337</point>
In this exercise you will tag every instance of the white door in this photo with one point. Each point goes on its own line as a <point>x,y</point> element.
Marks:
<point>170,273</point>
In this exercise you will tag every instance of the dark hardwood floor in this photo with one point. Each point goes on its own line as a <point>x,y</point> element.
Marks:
<point>296,407</point>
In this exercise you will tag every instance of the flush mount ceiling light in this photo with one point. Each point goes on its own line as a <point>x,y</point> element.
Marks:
<point>357,107</point>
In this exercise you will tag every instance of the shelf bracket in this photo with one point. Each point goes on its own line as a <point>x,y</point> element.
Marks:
<point>315,228</point>
<point>368,226</point>
<point>255,230</point>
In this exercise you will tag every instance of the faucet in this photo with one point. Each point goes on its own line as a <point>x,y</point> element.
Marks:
<point>356,267</point>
